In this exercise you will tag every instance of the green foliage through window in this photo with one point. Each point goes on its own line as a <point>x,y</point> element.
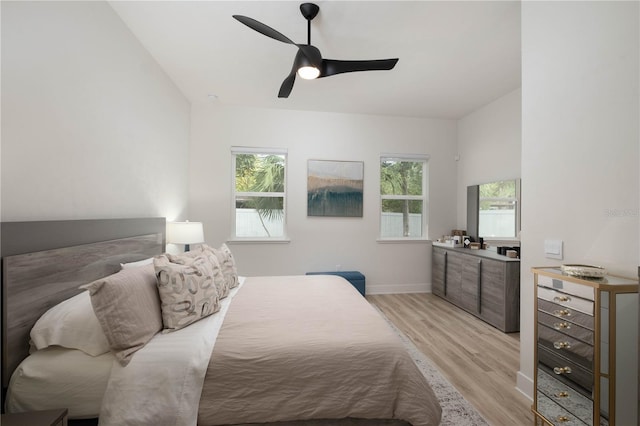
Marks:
<point>497,195</point>
<point>498,209</point>
<point>402,196</point>
<point>260,187</point>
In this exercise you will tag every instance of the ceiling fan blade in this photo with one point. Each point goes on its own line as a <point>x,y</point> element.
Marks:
<point>287,84</point>
<point>332,66</point>
<point>263,29</point>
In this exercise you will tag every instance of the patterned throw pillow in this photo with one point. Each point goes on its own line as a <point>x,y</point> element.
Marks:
<point>209,254</point>
<point>187,291</point>
<point>228,265</point>
<point>186,258</point>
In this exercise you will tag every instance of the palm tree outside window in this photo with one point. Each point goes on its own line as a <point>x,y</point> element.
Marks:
<point>259,193</point>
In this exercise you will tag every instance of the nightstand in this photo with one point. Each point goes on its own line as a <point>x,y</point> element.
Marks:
<point>36,418</point>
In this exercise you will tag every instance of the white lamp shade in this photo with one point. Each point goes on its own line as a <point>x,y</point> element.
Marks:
<point>185,232</point>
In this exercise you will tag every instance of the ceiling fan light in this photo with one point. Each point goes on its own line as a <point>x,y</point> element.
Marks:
<point>308,72</point>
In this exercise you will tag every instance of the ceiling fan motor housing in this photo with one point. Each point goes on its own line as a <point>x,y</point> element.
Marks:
<point>309,56</point>
<point>309,10</point>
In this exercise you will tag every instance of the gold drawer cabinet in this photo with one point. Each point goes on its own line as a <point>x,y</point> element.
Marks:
<point>586,354</point>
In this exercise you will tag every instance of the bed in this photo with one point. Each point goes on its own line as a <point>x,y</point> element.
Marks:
<point>293,350</point>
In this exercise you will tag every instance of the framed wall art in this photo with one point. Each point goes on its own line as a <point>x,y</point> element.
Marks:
<point>334,188</point>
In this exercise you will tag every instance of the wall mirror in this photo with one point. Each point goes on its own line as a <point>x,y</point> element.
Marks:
<point>493,210</point>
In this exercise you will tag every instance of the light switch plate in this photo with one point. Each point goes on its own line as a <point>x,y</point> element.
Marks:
<point>553,249</point>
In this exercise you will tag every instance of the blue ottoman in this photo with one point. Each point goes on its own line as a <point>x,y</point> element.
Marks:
<point>354,277</point>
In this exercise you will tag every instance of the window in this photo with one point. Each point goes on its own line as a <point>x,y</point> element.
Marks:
<point>498,213</point>
<point>403,196</point>
<point>259,193</point>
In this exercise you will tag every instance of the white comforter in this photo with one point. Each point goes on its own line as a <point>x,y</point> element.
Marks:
<point>162,384</point>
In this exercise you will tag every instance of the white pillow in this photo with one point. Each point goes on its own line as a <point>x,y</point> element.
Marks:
<point>136,264</point>
<point>71,324</point>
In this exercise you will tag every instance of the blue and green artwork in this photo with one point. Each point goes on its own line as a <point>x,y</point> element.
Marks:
<point>334,188</point>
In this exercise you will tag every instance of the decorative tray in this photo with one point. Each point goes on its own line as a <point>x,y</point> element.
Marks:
<point>587,271</point>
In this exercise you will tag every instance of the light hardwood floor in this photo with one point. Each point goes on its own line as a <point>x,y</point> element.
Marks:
<point>478,359</point>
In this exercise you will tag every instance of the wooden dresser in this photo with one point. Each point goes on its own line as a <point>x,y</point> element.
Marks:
<point>481,282</point>
<point>586,354</point>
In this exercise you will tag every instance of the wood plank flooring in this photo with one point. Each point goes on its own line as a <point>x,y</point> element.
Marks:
<point>478,359</point>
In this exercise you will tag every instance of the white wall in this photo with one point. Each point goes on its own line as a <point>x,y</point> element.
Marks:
<point>317,243</point>
<point>580,142</point>
<point>92,127</point>
<point>489,142</point>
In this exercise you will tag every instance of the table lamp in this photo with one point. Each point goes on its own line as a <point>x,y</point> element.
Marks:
<point>185,233</point>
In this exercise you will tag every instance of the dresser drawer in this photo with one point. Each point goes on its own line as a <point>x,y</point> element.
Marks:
<point>568,399</point>
<point>566,326</point>
<point>555,414</point>
<point>565,370</point>
<point>567,287</point>
<point>566,300</point>
<point>564,345</point>
<point>565,314</point>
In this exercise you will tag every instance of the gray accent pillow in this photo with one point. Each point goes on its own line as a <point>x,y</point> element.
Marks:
<point>188,291</point>
<point>128,309</point>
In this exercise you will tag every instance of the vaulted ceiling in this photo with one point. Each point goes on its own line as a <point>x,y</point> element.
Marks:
<point>454,56</point>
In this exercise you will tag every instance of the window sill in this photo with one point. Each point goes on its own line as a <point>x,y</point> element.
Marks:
<point>420,240</point>
<point>258,241</point>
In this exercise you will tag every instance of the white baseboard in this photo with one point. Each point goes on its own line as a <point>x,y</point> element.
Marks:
<point>524,385</point>
<point>398,288</point>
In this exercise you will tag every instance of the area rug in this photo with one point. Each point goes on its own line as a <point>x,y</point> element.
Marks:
<point>456,411</point>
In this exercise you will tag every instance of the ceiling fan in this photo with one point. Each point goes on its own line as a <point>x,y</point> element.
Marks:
<point>308,63</point>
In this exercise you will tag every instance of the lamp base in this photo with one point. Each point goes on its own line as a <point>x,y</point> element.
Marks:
<point>186,248</point>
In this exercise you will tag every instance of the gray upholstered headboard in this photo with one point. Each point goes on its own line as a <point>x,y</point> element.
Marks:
<point>43,263</point>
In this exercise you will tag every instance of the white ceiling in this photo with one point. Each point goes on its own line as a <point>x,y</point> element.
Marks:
<point>454,56</point>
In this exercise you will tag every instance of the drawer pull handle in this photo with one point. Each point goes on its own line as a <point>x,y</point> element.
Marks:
<point>562,345</point>
<point>562,370</point>
<point>561,325</point>
<point>561,299</point>
<point>562,419</point>
<point>562,313</point>
<point>562,394</point>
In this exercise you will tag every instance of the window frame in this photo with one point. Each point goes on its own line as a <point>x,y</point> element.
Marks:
<point>415,158</point>
<point>235,150</point>
<point>516,202</point>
